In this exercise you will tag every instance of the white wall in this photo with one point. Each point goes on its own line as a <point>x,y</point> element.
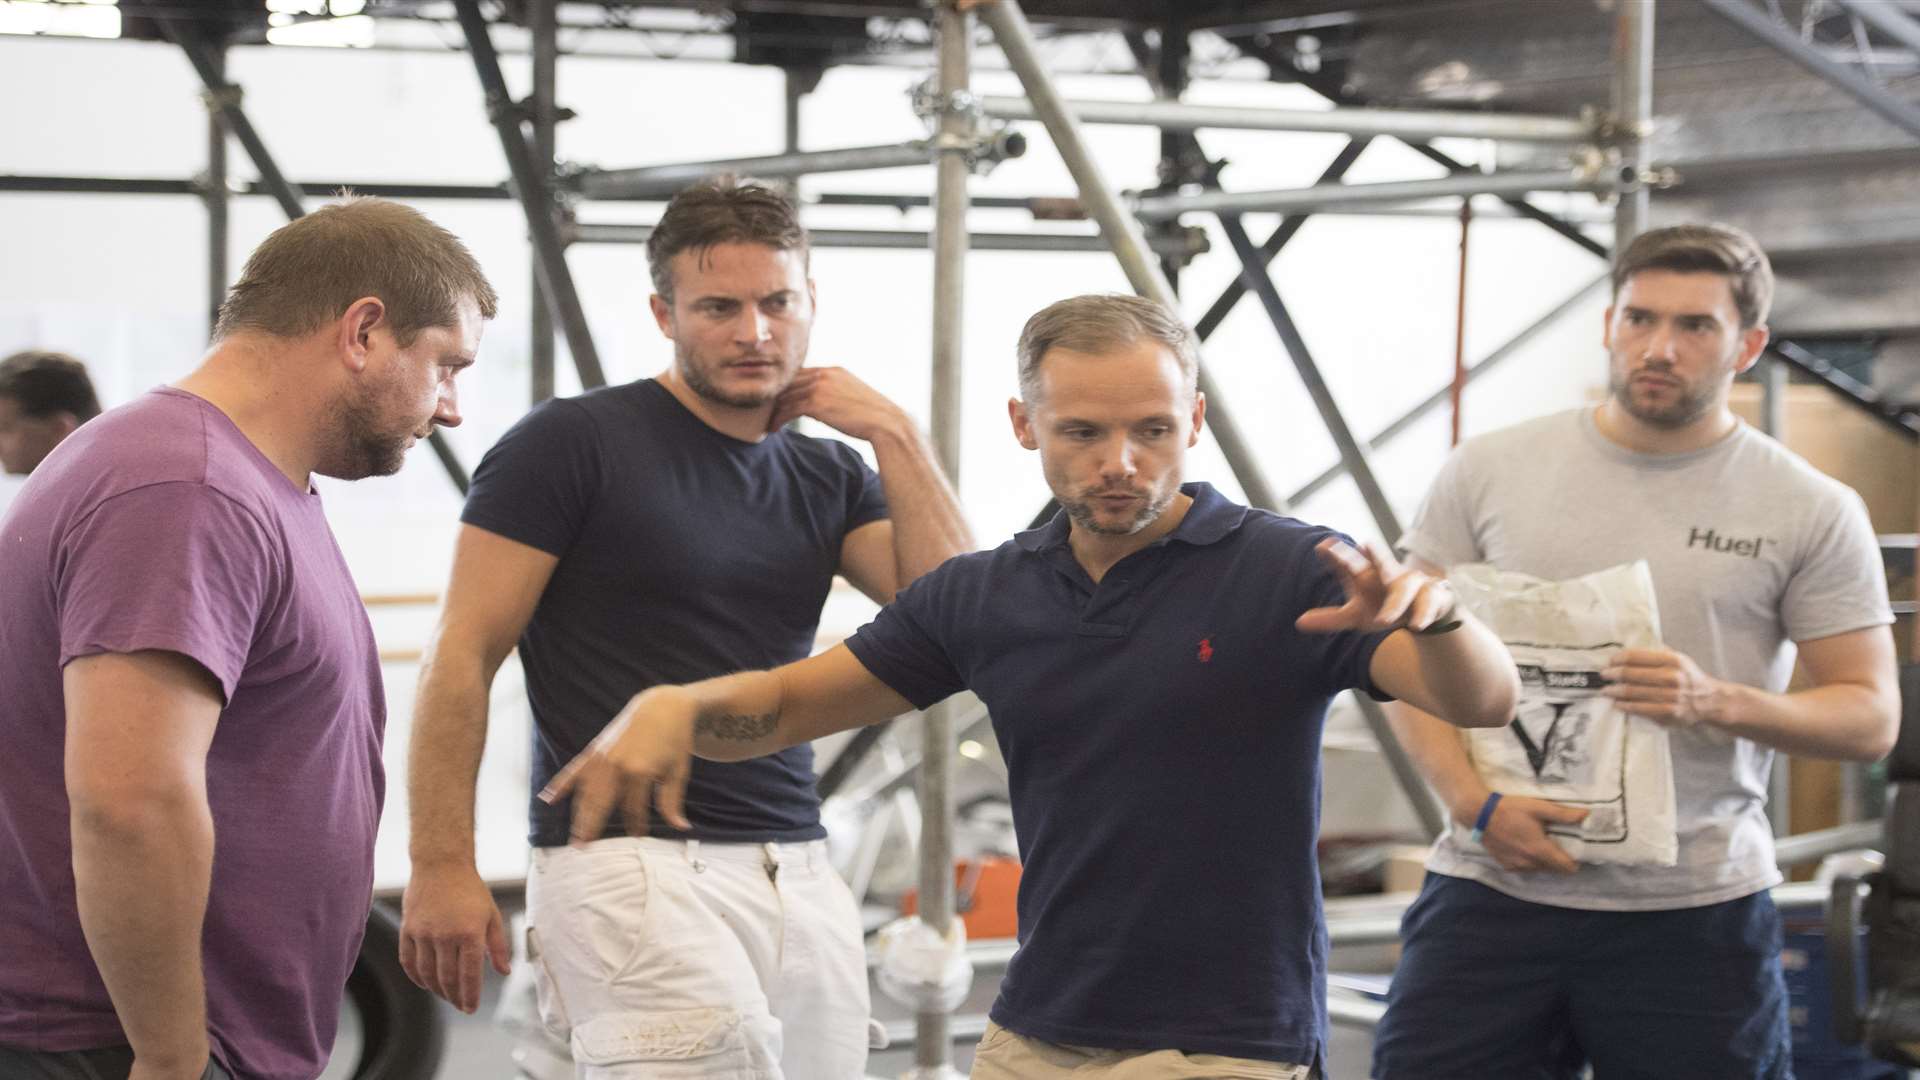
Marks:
<point>119,280</point>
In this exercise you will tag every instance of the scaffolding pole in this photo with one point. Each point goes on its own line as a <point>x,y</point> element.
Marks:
<point>655,181</point>
<point>1184,244</point>
<point>1426,808</point>
<point>1895,110</point>
<point>1284,69</point>
<point>1254,272</point>
<point>1632,114</point>
<point>1182,161</point>
<point>1322,197</point>
<point>543,23</point>
<point>1122,231</point>
<point>933,1041</point>
<point>1173,115</point>
<point>1775,377</point>
<point>1888,19</point>
<point>1439,397</point>
<point>224,98</point>
<point>217,197</point>
<point>1282,235</point>
<point>535,197</point>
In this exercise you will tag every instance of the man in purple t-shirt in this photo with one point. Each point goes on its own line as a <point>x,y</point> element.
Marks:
<point>192,703</point>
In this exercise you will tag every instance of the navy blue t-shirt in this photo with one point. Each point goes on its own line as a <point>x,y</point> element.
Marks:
<point>1162,737</point>
<point>684,554</point>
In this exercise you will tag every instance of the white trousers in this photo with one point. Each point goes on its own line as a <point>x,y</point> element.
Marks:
<point>680,960</point>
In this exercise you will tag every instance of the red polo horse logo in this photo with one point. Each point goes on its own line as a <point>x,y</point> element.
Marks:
<point>1206,649</point>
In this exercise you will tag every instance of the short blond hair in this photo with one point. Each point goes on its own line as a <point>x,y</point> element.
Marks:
<point>310,270</point>
<point>1097,323</point>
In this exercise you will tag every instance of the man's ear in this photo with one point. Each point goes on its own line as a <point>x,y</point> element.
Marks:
<point>1022,423</point>
<point>1199,417</point>
<point>1606,330</point>
<point>662,314</point>
<point>353,331</point>
<point>1752,343</point>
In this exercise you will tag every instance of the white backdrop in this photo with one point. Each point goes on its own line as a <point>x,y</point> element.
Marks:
<point>119,280</point>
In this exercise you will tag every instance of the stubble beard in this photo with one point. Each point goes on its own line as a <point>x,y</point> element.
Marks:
<point>1693,401</point>
<point>1081,513</point>
<point>364,448</point>
<point>694,373</point>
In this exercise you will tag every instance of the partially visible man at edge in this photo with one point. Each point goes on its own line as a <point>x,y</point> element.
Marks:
<point>194,709</point>
<point>44,397</point>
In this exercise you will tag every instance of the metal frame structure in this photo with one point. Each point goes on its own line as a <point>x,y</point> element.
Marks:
<point>526,130</point>
<point>228,118</point>
<point>1617,165</point>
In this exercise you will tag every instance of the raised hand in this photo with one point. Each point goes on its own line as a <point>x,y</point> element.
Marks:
<point>839,399</point>
<point>1381,593</point>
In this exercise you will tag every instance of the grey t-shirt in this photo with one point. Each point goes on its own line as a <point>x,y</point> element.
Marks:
<point>1751,548</point>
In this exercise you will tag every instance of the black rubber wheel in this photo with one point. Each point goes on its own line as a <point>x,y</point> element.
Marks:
<point>403,1031</point>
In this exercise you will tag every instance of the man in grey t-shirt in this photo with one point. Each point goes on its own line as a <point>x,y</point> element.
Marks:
<point>1756,557</point>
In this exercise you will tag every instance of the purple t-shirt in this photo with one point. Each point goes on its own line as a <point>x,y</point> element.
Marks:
<point>159,526</point>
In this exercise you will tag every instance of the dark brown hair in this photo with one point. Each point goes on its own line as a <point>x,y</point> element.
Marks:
<point>310,270</point>
<point>43,383</point>
<point>1709,249</point>
<point>723,210</point>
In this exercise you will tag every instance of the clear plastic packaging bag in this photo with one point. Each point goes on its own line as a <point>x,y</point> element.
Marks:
<point>1568,743</point>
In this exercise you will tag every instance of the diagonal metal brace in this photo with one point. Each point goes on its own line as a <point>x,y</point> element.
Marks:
<point>224,99</point>
<point>1254,272</point>
<point>535,197</point>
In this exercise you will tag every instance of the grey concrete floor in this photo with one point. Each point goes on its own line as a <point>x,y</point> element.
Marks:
<point>477,1049</point>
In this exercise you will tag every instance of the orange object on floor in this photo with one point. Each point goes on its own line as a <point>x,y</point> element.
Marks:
<point>985,892</point>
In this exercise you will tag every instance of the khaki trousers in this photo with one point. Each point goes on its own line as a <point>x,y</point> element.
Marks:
<point>1003,1055</point>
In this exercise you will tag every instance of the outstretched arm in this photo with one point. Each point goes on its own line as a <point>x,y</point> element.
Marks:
<point>1440,658</point>
<point>643,757</point>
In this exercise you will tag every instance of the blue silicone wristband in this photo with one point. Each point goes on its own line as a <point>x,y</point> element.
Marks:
<point>1486,816</point>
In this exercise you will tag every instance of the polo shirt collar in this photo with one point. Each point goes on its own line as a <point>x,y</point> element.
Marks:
<point>1210,519</point>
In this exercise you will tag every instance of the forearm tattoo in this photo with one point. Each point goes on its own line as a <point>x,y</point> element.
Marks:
<point>737,727</point>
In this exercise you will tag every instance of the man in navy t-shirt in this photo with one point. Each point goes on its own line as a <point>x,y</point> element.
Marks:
<point>655,533</point>
<point>1158,662</point>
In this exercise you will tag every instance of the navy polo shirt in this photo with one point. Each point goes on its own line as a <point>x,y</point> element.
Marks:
<point>1162,737</point>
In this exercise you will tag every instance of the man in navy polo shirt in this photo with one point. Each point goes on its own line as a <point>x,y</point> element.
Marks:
<point>1158,662</point>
